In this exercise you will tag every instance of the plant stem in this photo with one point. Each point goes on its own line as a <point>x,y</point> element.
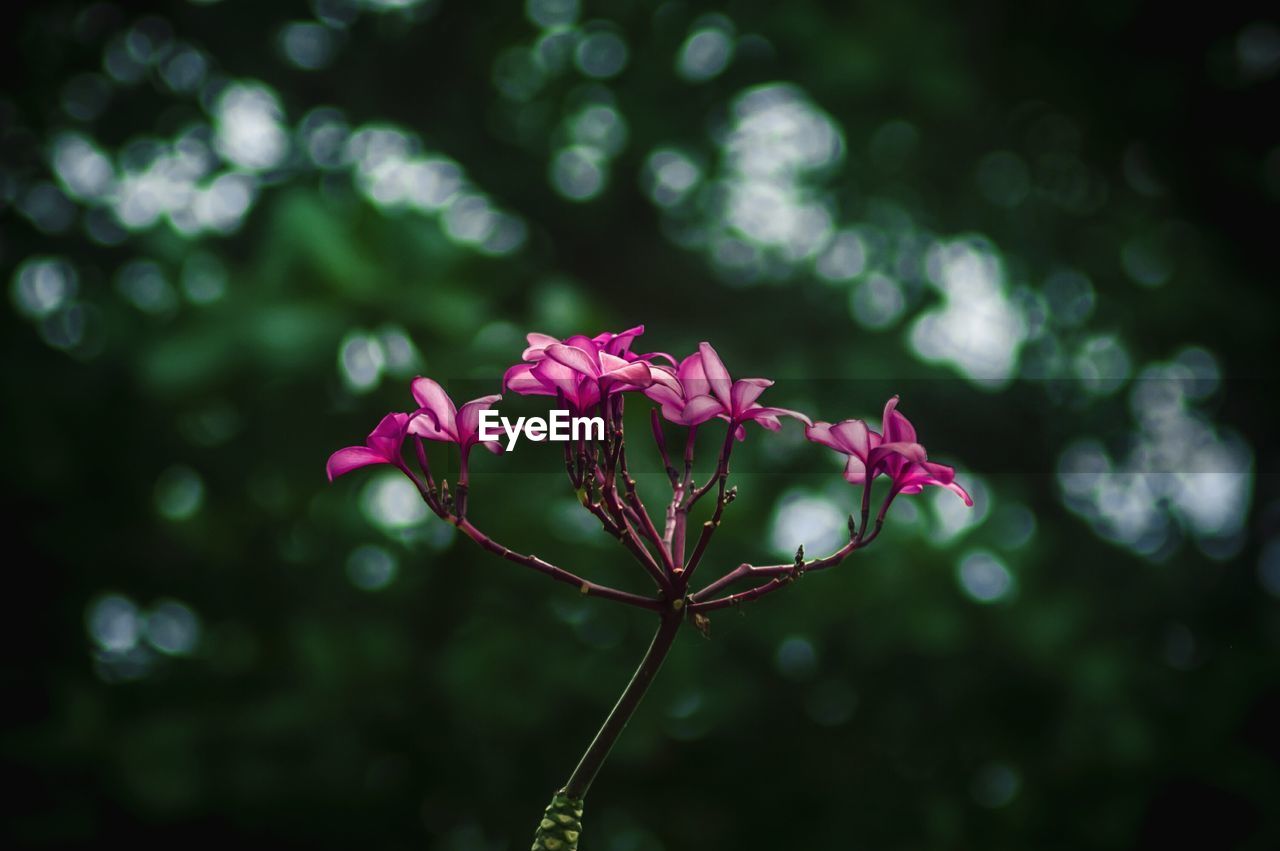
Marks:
<point>589,765</point>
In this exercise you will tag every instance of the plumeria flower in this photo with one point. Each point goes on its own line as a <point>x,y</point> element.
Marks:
<point>851,438</point>
<point>618,344</point>
<point>438,419</point>
<point>581,369</point>
<point>912,476</point>
<point>894,453</point>
<point>381,447</point>
<point>700,389</point>
<point>904,460</point>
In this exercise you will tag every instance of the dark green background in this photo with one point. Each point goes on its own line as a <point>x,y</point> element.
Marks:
<point>1114,701</point>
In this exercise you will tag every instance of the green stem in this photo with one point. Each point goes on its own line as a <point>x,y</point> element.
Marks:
<point>561,825</point>
<point>589,765</point>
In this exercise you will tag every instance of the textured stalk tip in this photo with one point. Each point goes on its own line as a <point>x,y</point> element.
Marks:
<point>561,825</point>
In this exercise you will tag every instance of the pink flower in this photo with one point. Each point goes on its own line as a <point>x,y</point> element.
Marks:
<point>912,476</point>
<point>894,453</point>
<point>904,460</point>
<point>438,419</point>
<point>582,369</point>
<point>381,447</point>
<point>851,438</point>
<point>700,389</point>
<point>618,344</point>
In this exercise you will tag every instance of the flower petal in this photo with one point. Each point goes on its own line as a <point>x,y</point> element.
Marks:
<point>430,395</point>
<point>940,473</point>
<point>388,435</point>
<point>582,341</point>
<point>666,388</point>
<point>537,344</point>
<point>820,433</point>
<point>745,391</point>
<point>634,374</point>
<point>522,380</point>
<point>651,356</point>
<point>759,411</point>
<point>574,358</point>
<point>699,409</point>
<point>721,383</point>
<point>912,452</point>
<point>559,378</point>
<point>855,470</point>
<point>620,343</point>
<point>693,376</point>
<point>853,436</point>
<point>895,427</point>
<point>469,417</point>
<point>768,422</point>
<point>664,395</point>
<point>674,412</point>
<point>423,424</point>
<point>960,492</point>
<point>351,458</point>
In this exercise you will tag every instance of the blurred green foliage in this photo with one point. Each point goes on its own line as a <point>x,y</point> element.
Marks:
<point>207,644</point>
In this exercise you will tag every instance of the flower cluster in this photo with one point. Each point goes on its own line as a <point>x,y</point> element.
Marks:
<point>591,376</point>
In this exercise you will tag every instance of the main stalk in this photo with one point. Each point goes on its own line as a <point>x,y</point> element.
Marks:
<point>562,823</point>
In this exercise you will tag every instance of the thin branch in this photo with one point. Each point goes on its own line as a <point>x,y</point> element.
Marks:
<point>723,498</point>
<point>781,574</point>
<point>679,484</point>
<point>645,522</point>
<point>429,491</point>
<point>590,589</point>
<point>884,509</point>
<point>655,424</point>
<point>722,468</point>
<point>571,467</point>
<point>678,514</point>
<point>426,489</point>
<point>640,514</point>
<point>866,503</point>
<point>628,536</point>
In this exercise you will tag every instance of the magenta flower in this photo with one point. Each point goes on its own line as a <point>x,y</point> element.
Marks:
<point>438,419</point>
<point>912,476</point>
<point>851,438</point>
<point>582,369</point>
<point>700,388</point>
<point>381,447</point>
<point>618,344</point>
<point>894,453</point>
<point>904,460</point>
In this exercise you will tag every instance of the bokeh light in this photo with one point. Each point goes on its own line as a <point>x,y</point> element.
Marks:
<point>707,51</point>
<point>371,567</point>
<point>179,493</point>
<point>984,577</point>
